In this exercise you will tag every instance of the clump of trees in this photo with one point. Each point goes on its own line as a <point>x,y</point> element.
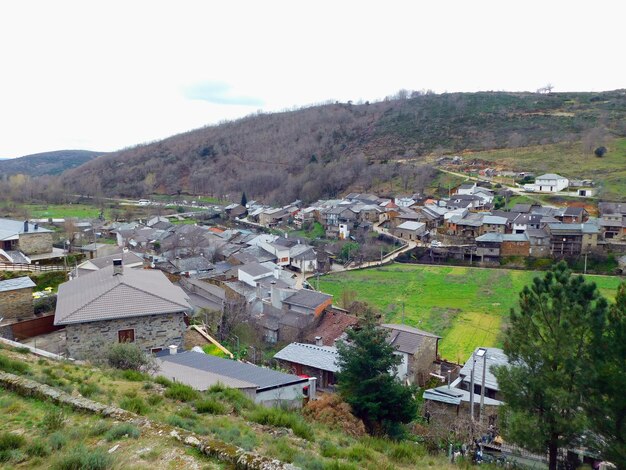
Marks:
<point>566,350</point>
<point>367,382</point>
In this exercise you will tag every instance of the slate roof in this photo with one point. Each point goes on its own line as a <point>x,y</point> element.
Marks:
<point>319,357</point>
<point>262,377</point>
<point>255,269</point>
<point>405,338</point>
<point>411,226</point>
<point>495,220</point>
<point>549,176</point>
<point>307,298</point>
<point>103,296</point>
<point>495,357</point>
<point>521,208</point>
<point>127,258</point>
<point>612,208</point>
<point>16,283</point>
<point>454,396</point>
<point>17,227</point>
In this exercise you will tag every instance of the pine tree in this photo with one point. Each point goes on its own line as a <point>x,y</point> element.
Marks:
<point>367,383</point>
<point>548,346</point>
<point>606,400</point>
<point>244,199</point>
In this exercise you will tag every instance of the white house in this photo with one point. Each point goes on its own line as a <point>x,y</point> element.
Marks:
<point>550,183</point>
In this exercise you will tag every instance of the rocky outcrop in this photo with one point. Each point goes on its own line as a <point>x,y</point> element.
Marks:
<point>234,455</point>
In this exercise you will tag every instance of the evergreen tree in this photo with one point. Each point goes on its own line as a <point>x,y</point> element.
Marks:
<point>367,383</point>
<point>606,397</point>
<point>244,199</point>
<point>548,346</point>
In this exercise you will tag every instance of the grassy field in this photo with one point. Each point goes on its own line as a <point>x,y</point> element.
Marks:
<point>466,306</point>
<point>61,211</point>
<point>569,160</point>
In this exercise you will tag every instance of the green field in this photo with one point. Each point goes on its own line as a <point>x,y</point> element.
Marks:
<point>466,306</point>
<point>61,211</point>
<point>569,160</point>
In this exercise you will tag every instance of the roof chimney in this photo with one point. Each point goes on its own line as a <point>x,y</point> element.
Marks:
<point>173,349</point>
<point>26,226</point>
<point>318,341</point>
<point>118,267</point>
<point>277,271</point>
<point>36,226</point>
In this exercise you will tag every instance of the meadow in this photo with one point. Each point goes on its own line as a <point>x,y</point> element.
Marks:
<point>466,306</point>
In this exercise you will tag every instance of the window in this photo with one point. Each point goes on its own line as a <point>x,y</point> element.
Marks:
<point>156,350</point>
<point>126,336</point>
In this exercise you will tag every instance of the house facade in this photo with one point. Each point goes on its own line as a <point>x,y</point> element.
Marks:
<point>29,238</point>
<point>16,298</point>
<point>114,305</point>
<point>550,183</point>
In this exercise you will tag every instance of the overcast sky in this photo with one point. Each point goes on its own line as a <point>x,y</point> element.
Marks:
<point>111,74</point>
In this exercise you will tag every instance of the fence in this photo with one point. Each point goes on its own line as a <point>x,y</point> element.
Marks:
<point>31,267</point>
<point>35,327</point>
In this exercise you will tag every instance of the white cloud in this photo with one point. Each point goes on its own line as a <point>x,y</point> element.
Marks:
<point>112,74</point>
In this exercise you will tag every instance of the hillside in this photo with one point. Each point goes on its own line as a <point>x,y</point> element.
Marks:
<point>48,163</point>
<point>323,150</point>
<point>52,436</point>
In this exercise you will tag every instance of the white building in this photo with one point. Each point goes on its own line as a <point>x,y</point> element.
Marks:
<point>551,183</point>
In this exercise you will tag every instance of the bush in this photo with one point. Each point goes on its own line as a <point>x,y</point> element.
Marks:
<point>53,420</point>
<point>134,405</point>
<point>127,356</point>
<point>122,430</point>
<point>181,392</point>
<point>13,367</point>
<point>163,381</point>
<point>38,448</point>
<point>236,398</point>
<point>88,389</point>
<point>82,458</point>
<point>10,441</point>
<point>283,419</point>
<point>100,428</point>
<point>154,400</point>
<point>210,406</point>
<point>336,413</point>
<point>133,375</point>
<point>57,440</point>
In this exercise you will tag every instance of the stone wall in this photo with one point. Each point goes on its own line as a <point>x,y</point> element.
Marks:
<point>85,340</point>
<point>423,362</point>
<point>17,304</point>
<point>514,248</point>
<point>33,243</point>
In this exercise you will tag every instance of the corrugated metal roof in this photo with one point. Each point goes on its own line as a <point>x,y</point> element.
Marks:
<point>319,357</point>
<point>411,225</point>
<point>259,376</point>
<point>103,296</point>
<point>16,283</point>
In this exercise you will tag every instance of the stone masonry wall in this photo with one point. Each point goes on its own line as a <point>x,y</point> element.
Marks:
<point>33,243</point>
<point>422,363</point>
<point>85,340</point>
<point>16,304</point>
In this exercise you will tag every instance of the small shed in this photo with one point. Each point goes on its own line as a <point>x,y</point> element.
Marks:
<point>16,298</point>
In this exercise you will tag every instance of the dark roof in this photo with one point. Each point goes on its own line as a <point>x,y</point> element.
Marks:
<point>612,208</point>
<point>307,298</point>
<point>104,296</point>
<point>260,376</point>
<point>521,208</point>
<point>127,258</point>
<point>574,211</point>
<point>405,338</point>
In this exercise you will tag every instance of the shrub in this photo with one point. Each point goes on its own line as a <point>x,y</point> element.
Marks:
<point>81,458</point>
<point>22,350</point>
<point>13,367</point>
<point>175,420</point>
<point>210,406</point>
<point>127,356</point>
<point>236,398</point>
<point>336,413</point>
<point>57,440</point>
<point>404,452</point>
<point>133,375</point>
<point>154,400</point>
<point>163,381</point>
<point>284,419</point>
<point>181,392</point>
<point>229,432</point>
<point>134,405</point>
<point>122,430</point>
<point>38,448</point>
<point>88,389</point>
<point>99,428</point>
<point>10,441</point>
<point>53,420</point>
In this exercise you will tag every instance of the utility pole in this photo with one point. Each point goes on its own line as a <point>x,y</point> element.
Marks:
<point>585,269</point>
<point>472,386</point>
<point>482,389</point>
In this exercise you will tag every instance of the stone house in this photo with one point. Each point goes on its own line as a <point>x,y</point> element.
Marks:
<point>16,298</point>
<point>410,230</point>
<point>114,305</point>
<point>515,245</point>
<point>30,239</point>
<point>312,360</point>
<point>418,350</point>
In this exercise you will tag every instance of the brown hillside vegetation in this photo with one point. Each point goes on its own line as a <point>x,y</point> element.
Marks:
<point>323,150</point>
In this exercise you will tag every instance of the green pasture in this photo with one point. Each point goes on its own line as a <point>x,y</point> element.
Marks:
<point>570,160</point>
<point>466,306</point>
<point>62,211</point>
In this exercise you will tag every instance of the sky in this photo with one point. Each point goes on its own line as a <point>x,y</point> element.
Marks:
<point>107,75</point>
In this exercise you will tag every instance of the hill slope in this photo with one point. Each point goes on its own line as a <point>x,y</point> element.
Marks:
<point>47,163</point>
<point>323,150</point>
